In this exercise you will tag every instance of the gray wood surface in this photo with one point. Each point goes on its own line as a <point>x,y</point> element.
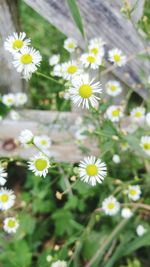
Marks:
<point>102,18</point>
<point>9,78</point>
<point>59,126</point>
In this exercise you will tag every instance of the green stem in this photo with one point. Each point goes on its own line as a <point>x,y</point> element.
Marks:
<point>100,252</point>
<point>49,78</point>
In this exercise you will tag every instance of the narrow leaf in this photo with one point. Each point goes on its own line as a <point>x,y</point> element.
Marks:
<point>75,12</point>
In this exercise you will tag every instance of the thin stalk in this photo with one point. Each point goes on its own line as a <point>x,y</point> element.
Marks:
<point>49,78</point>
<point>100,252</point>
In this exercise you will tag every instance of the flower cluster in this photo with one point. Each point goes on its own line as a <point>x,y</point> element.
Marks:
<point>82,88</point>
<point>39,164</point>
<point>17,100</point>
<point>7,200</point>
<point>26,59</point>
<point>111,206</point>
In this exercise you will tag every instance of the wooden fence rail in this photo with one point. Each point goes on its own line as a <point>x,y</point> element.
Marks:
<point>104,19</point>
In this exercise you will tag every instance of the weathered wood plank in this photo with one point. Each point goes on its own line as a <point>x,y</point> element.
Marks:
<point>101,18</point>
<point>60,127</point>
<point>9,23</point>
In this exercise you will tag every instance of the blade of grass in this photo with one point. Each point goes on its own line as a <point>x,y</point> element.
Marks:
<point>75,12</point>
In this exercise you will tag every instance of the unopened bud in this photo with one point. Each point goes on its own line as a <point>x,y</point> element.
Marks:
<point>73,178</point>
<point>59,195</point>
<point>70,253</point>
<point>115,137</point>
<point>56,247</point>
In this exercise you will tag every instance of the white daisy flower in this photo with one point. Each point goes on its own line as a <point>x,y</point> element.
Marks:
<point>92,170</point>
<point>10,225</point>
<point>114,113</point>
<point>70,44</point>
<point>3,176</point>
<point>26,61</point>
<point>97,41</point>
<point>39,164</point>
<point>117,57</point>
<point>116,159</point>
<point>140,230</point>
<point>42,141</point>
<point>147,118</point>
<point>91,60</point>
<point>54,59</point>
<point>96,50</point>
<point>110,206</point>
<point>84,92</point>
<point>138,114</point>
<point>20,99</point>
<point>14,115</point>
<point>7,199</point>
<point>134,192</point>
<point>113,88</point>
<point>145,144</point>
<point>70,70</point>
<point>126,213</point>
<point>58,70</point>
<point>59,264</point>
<point>16,42</point>
<point>8,99</point>
<point>26,137</point>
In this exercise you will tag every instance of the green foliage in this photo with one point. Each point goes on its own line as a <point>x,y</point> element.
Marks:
<point>16,254</point>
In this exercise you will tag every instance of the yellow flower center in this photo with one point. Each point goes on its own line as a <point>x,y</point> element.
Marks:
<point>44,142</point>
<point>91,59</point>
<point>91,170</point>
<point>117,58</point>
<point>4,198</point>
<point>26,59</point>
<point>132,192</point>
<point>147,146</point>
<point>40,164</point>
<point>71,45</point>
<point>17,44</point>
<point>138,114</point>
<point>9,100</point>
<point>72,69</point>
<point>113,87</point>
<point>94,50</point>
<point>85,91</point>
<point>116,112</point>
<point>11,223</point>
<point>111,205</point>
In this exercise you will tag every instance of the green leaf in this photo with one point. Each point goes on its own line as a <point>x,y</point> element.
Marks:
<point>75,12</point>
<point>118,252</point>
<point>62,218</point>
<point>128,247</point>
<point>133,141</point>
<point>137,243</point>
<point>17,255</point>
